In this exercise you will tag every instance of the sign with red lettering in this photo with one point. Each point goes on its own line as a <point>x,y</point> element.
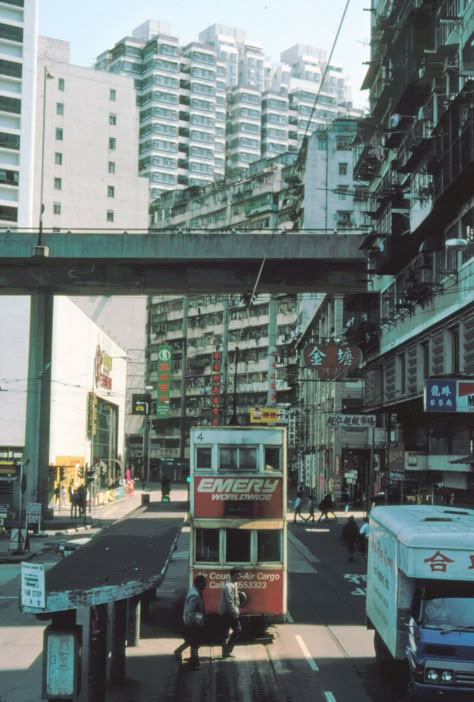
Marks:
<point>263,588</point>
<point>230,496</point>
<point>442,563</point>
<point>332,360</point>
<point>163,388</point>
<point>216,388</point>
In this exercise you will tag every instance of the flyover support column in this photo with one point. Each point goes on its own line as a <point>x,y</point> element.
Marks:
<point>38,409</point>
<point>97,668</point>
<point>119,632</point>
<point>133,624</point>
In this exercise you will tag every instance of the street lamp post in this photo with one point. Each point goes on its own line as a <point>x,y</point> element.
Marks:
<point>40,249</point>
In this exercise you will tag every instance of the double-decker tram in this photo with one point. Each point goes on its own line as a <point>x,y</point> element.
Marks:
<point>238,516</point>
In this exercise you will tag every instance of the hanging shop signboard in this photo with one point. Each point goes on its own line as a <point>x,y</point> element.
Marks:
<point>449,395</point>
<point>352,421</point>
<point>332,360</point>
<point>216,388</point>
<point>163,388</point>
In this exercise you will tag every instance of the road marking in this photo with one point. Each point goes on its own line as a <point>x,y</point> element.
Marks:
<point>329,697</point>
<point>306,653</point>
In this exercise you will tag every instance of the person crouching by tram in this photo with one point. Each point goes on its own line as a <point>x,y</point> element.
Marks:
<point>229,608</point>
<point>194,614</point>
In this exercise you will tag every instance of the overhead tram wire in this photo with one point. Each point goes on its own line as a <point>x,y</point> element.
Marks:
<point>301,149</point>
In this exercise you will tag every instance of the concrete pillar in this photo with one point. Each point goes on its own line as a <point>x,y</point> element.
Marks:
<point>133,623</point>
<point>97,663</point>
<point>119,631</point>
<point>39,398</point>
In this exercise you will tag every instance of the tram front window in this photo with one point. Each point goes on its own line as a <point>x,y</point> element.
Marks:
<point>237,458</point>
<point>269,546</point>
<point>237,546</point>
<point>207,545</point>
<point>272,458</point>
<point>203,457</point>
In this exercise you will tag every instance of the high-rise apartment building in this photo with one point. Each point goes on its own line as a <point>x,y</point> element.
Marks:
<point>180,92</point>
<point>213,107</point>
<point>18,38</point>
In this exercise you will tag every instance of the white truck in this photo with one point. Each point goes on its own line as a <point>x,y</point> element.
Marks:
<point>420,598</point>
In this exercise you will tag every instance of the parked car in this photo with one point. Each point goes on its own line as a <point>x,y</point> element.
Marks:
<point>65,548</point>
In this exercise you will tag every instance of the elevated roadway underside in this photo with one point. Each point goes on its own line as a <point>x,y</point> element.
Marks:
<point>91,263</point>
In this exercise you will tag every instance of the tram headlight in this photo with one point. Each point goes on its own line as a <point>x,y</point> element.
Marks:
<point>447,676</point>
<point>432,675</point>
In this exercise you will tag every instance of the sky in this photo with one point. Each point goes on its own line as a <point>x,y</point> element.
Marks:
<point>92,26</point>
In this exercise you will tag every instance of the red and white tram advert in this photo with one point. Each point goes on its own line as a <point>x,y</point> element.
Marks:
<point>261,496</point>
<point>264,588</point>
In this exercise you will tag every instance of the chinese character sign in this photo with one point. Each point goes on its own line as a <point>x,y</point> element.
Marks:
<point>164,381</point>
<point>361,421</point>
<point>449,395</point>
<point>216,388</point>
<point>332,360</point>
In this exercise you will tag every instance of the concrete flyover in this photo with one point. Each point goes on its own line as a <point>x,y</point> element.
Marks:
<point>174,262</point>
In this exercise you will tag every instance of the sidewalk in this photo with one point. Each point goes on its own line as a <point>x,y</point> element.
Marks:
<point>21,667</point>
<point>63,526</point>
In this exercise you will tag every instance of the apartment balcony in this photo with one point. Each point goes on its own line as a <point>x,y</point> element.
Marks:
<point>243,194</point>
<point>368,162</point>
<point>452,165</point>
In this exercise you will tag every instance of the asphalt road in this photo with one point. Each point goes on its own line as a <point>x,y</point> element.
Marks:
<point>324,653</point>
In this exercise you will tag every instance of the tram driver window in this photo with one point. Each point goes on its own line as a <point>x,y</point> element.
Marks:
<point>203,458</point>
<point>237,546</point>
<point>272,458</point>
<point>207,545</point>
<point>238,458</point>
<point>269,546</point>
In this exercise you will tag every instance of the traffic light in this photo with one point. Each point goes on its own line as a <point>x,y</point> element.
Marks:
<point>62,473</point>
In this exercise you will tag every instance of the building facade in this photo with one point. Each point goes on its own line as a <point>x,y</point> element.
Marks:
<point>417,153</point>
<point>18,44</point>
<point>86,155</point>
<point>240,330</point>
<point>81,166</point>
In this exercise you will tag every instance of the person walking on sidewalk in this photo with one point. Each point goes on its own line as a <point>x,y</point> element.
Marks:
<point>229,608</point>
<point>298,505</point>
<point>350,536</point>
<point>194,613</point>
<point>364,537</point>
<point>310,516</point>
<point>326,507</point>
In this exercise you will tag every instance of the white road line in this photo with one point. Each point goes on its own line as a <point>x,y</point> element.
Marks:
<point>329,697</point>
<point>306,653</point>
